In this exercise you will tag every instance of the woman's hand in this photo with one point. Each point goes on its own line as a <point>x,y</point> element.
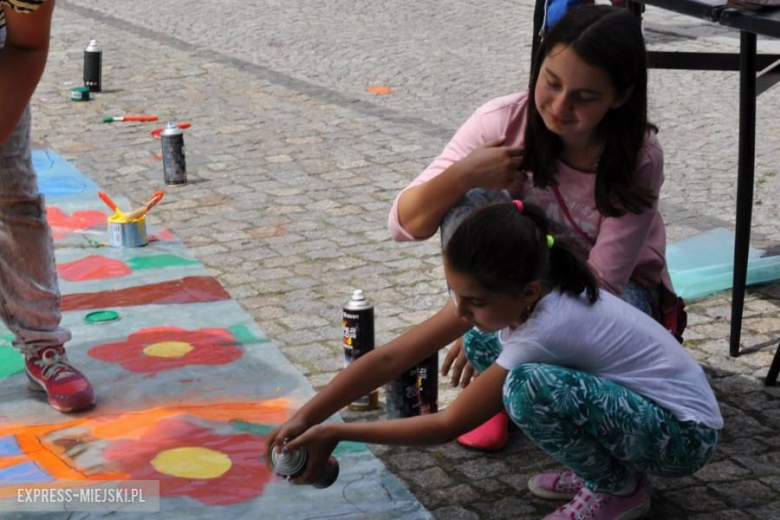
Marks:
<point>494,167</point>
<point>319,441</point>
<point>462,371</point>
<point>282,435</point>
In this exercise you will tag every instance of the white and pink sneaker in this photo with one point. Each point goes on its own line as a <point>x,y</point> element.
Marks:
<point>559,485</point>
<point>589,505</point>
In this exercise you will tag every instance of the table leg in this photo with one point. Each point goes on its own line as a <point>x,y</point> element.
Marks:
<point>535,37</point>
<point>745,173</point>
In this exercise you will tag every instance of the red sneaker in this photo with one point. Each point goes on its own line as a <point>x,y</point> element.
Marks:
<point>49,370</point>
<point>491,436</point>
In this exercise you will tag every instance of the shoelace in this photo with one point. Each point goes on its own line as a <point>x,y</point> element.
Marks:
<point>54,363</point>
<point>589,504</point>
<point>568,481</point>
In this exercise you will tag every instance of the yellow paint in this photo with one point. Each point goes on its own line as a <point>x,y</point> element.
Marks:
<point>192,462</point>
<point>169,349</point>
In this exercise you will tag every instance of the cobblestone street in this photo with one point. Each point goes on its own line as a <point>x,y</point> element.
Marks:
<point>294,163</point>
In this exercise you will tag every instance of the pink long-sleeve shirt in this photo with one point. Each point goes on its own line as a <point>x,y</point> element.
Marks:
<point>620,248</point>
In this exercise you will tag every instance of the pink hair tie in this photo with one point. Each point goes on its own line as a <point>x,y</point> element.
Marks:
<point>518,204</point>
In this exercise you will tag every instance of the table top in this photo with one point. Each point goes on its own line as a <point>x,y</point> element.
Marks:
<point>708,10</point>
<point>763,23</point>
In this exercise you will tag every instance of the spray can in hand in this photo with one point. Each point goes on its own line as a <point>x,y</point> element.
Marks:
<point>358,338</point>
<point>93,65</point>
<point>292,463</point>
<point>174,164</point>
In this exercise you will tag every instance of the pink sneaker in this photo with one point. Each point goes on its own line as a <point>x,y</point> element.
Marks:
<point>589,505</point>
<point>68,390</point>
<point>556,485</point>
<point>491,436</point>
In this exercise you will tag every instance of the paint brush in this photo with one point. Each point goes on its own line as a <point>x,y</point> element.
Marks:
<point>143,210</point>
<point>109,202</point>
<point>142,118</point>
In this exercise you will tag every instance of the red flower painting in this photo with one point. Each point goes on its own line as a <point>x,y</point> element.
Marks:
<point>190,460</point>
<point>155,349</point>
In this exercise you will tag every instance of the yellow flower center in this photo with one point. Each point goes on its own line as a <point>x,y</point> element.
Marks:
<point>168,349</point>
<point>192,462</point>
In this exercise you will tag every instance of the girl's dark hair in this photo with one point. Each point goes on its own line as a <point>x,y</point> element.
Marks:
<point>610,39</point>
<point>504,249</point>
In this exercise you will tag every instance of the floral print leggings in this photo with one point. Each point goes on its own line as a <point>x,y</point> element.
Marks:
<point>597,428</point>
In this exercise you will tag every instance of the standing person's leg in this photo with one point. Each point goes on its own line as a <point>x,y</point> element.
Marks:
<point>492,435</point>
<point>29,296</point>
<point>607,435</point>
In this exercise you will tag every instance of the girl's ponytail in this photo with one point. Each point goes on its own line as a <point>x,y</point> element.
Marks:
<point>569,271</point>
<point>505,246</point>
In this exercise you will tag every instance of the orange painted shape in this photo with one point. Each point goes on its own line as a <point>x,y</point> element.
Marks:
<point>379,90</point>
<point>93,267</point>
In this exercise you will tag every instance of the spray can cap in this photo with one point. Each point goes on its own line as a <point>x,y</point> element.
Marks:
<point>171,129</point>
<point>92,46</point>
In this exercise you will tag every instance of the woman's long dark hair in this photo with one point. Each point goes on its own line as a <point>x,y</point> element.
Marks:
<point>610,39</point>
<point>504,249</point>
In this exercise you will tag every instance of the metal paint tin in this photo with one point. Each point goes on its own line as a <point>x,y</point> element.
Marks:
<point>126,233</point>
<point>357,321</point>
<point>292,463</point>
<point>93,64</point>
<point>174,163</point>
<point>79,94</point>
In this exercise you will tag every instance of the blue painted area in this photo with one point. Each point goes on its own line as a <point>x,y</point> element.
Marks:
<point>9,446</point>
<point>57,178</point>
<point>24,473</point>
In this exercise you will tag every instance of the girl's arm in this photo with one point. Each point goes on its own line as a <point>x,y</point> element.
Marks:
<point>480,401</point>
<point>489,165</point>
<point>373,370</point>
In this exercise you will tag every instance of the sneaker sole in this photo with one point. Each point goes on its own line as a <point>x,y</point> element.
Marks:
<point>546,493</point>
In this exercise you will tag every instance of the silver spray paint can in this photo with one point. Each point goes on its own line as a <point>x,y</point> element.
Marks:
<point>174,164</point>
<point>93,65</point>
<point>292,463</point>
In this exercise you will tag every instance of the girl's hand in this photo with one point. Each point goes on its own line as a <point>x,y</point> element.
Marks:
<point>494,167</point>
<point>282,435</point>
<point>462,370</point>
<point>319,441</point>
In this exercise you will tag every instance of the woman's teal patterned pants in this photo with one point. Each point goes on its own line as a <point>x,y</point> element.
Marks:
<point>597,428</point>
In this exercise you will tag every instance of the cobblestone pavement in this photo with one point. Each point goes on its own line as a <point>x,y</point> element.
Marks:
<point>294,164</point>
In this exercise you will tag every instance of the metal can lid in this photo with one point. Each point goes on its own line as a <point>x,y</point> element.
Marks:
<point>103,316</point>
<point>288,464</point>
<point>171,129</point>
<point>358,301</point>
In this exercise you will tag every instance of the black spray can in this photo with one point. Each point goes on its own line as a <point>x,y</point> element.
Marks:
<point>358,339</point>
<point>403,395</point>
<point>292,464</point>
<point>93,65</point>
<point>174,164</point>
<point>428,384</point>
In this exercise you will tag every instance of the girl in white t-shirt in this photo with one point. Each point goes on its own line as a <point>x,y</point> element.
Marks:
<point>594,382</point>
